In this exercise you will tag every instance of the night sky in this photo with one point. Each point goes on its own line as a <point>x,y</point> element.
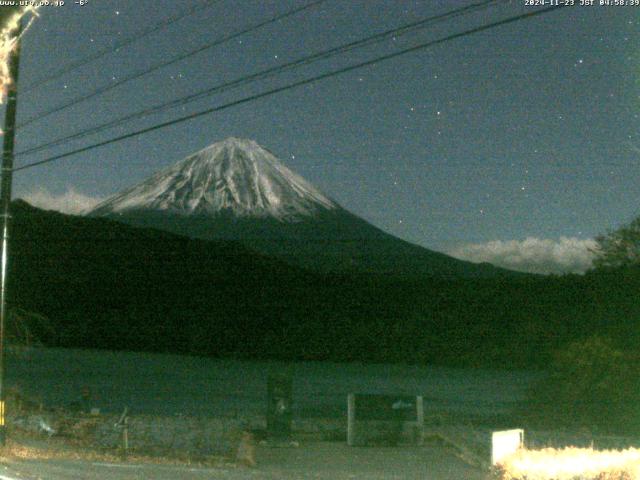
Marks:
<point>515,145</point>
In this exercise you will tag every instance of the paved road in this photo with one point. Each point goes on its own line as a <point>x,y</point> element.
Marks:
<point>324,461</point>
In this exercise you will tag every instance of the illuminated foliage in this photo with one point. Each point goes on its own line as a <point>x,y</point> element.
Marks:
<point>619,248</point>
<point>571,464</point>
<point>9,22</point>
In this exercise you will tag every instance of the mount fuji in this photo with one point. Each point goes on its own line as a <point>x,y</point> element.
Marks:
<point>237,190</point>
<point>234,176</point>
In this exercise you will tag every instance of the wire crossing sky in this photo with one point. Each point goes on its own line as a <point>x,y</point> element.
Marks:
<point>528,130</point>
<point>282,89</point>
<point>395,32</point>
<point>119,44</point>
<point>369,40</point>
<point>166,63</point>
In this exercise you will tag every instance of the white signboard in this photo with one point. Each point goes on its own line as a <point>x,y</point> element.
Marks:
<point>505,443</point>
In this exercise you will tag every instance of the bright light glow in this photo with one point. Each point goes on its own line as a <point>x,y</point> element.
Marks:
<point>9,42</point>
<point>571,463</point>
<point>505,443</point>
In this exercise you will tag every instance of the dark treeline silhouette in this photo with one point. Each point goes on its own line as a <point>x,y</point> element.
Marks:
<point>106,285</point>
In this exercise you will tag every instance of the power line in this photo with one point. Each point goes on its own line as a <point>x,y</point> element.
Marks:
<point>293,85</point>
<point>376,38</point>
<point>158,66</point>
<point>121,44</point>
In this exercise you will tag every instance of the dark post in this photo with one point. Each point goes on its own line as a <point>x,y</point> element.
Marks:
<point>5,203</point>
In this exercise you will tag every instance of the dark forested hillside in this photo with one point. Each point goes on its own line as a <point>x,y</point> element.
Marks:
<point>102,284</point>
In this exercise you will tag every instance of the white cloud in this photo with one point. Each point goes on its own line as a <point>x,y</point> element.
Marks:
<point>71,201</point>
<point>535,255</point>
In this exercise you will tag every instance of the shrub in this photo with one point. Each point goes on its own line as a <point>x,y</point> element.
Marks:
<point>590,384</point>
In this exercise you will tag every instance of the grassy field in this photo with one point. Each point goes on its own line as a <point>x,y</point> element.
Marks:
<point>172,384</point>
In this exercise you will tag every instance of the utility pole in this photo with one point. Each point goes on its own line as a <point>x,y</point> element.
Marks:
<point>5,204</point>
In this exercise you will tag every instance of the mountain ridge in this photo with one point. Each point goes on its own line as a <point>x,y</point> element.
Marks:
<point>237,190</point>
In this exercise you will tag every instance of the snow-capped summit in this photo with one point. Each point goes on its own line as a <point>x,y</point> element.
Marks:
<point>234,176</point>
<point>237,191</point>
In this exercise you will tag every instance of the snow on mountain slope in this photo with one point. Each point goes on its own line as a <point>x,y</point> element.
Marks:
<point>237,191</point>
<point>235,175</point>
